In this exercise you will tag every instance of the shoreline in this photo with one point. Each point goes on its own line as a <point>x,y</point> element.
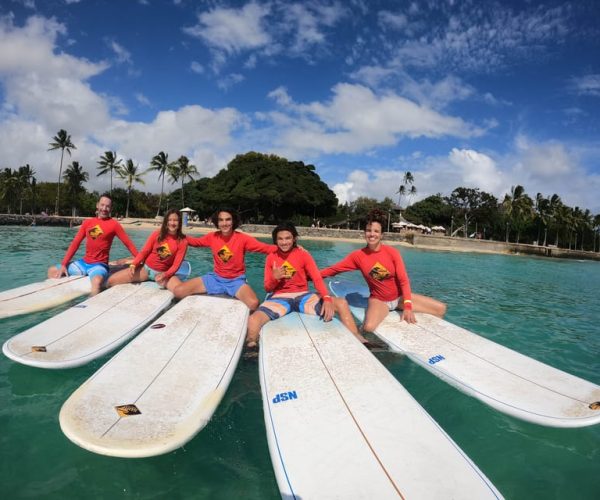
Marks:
<point>405,239</point>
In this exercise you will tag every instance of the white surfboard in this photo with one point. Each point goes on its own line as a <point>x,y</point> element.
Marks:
<point>500,377</point>
<point>339,425</point>
<point>42,295</point>
<point>89,329</point>
<point>161,389</point>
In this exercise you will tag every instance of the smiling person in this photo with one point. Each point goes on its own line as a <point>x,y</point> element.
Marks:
<point>228,247</point>
<point>99,233</point>
<point>161,258</point>
<point>383,269</point>
<point>287,271</point>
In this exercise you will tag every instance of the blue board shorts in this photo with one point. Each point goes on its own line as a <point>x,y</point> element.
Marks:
<point>183,273</point>
<point>82,268</point>
<point>307,303</point>
<point>216,285</point>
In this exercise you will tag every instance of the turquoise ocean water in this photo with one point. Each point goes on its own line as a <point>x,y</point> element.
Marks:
<point>547,309</point>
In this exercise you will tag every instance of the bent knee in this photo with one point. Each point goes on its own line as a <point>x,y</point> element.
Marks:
<point>441,309</point>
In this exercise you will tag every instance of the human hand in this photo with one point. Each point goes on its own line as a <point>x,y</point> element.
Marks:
<point>327,310</point>
<point>278,272</point>
<point>409,316</point>
<point>161,279</point>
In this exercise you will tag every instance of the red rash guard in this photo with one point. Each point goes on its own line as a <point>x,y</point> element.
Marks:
<point>98,234</point>
<point>297,264</point>
<point>383,271</point>
<point>163,256</point>
<point>228,252</point>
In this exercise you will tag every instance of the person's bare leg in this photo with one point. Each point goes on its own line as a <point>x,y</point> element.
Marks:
<point>375,314</point>
<point>97,282</point>
<point>255,323</point>
<point>53,272</point>
<point>195,285</point>
<point>248,297</point>
<point>343,311</point>
<point>173,283</point>
<point>424,304</point>
<point>124,276</point>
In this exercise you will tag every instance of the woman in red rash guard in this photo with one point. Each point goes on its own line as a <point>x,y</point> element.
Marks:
<point>383,269</point>
<point>286,277</point>
<point>228,248</point>
<point>161,258</point>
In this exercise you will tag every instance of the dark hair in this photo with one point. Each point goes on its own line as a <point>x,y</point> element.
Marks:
<point>163,227</point>
<point>105,195</point>
<point>285,226</point>
<point>235,217</point>
<point>376,215</point>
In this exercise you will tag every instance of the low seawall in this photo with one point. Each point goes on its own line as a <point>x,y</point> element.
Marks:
<point>38,220</point>
<point>487,246</point>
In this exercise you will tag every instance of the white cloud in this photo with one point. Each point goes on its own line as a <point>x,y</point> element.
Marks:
<point>586,85</point>
<point>142,99</point>
<point>356,119</point>
<point>196,67</point>
<point>232,30</point>
<point>230,80</point>
<point>389,19</point>
<point>123,55</point>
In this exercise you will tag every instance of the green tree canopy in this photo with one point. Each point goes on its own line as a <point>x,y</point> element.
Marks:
<point>266,188</point>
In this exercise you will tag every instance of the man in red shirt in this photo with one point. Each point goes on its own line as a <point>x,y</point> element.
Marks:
<point>98,233</point>
<point>228,248</point>
<point>287,271</point>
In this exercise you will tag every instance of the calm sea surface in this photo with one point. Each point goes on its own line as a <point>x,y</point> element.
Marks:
<point>547,309</point>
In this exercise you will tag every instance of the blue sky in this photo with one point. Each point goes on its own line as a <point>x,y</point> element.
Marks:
<point>460,93</point>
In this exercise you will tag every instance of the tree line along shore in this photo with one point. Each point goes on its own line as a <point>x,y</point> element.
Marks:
<point>266,188</point>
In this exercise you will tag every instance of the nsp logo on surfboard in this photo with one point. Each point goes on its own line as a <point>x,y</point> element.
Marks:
<point>285,396</point>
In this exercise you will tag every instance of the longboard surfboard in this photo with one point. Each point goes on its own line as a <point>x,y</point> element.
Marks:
<point>42,295</point>
<point>500,377</point>
<point>339,425</point>
<point>89,329</point>
<point>160,390</point>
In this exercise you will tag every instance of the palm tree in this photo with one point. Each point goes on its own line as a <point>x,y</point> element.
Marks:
<point>109,163</point>
<point>62,141</point>
<point>180,170</point>
<point>412,192</point>
<point>401,192</point>
<point>160,163</point>
<point>596,224</point>
<point>8,187</point>
<point>131,174</point>
<point>518,207</point>
<point>563,218</point>
<point>553,205</point>
<point>408,179</point>
<point>74,177</point>
<point>23,183</point>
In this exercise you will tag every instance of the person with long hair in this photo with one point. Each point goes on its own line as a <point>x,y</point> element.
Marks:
<point>161,258</point>
<point>383,269</point>
<point>286,275</point>
<point>98,232</point>
<point>229,248</point>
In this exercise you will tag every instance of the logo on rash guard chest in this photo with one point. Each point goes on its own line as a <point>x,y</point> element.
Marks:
<point>163,251</point>
<point>289,269</point>
<point>379,272</point>
<point>225,254</point>
<point>95,232</point>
